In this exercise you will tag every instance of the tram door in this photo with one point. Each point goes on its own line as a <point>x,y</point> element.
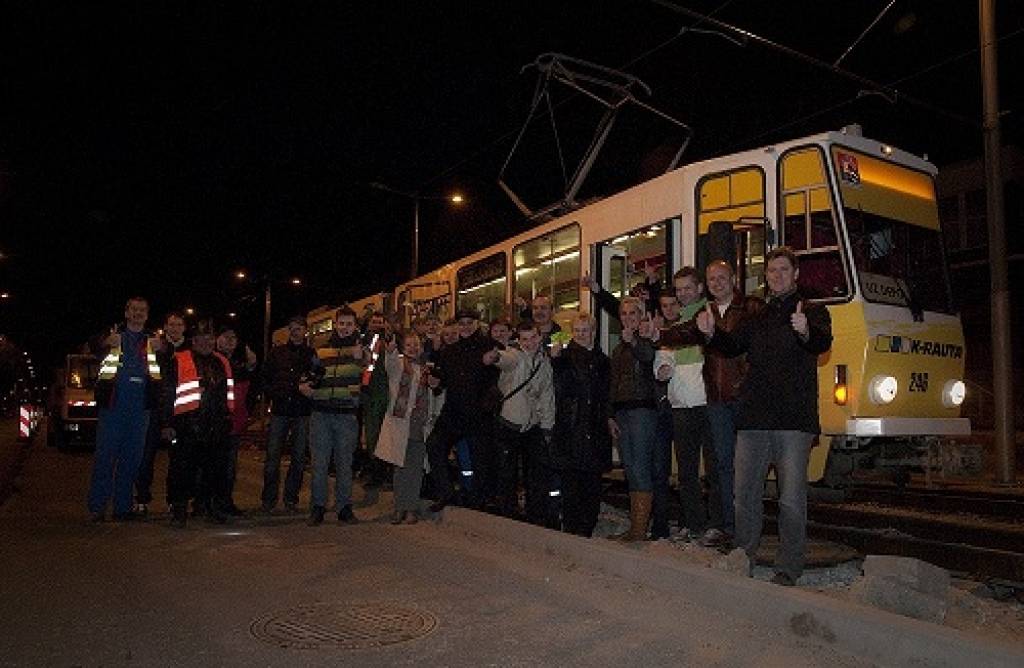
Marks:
<point>629,261</point>
<point>614,277</point>
<point>742,243</point>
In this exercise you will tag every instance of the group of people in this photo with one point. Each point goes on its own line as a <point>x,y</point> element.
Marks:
<point>721,376</point>
<point>190,394</point>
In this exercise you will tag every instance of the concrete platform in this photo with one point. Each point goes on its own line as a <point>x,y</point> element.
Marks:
<point>480,590</point>
<point>875,635</point>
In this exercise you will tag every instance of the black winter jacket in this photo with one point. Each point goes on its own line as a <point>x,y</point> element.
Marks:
<point>580,440</point>
<point>286,367</point>
<point>780,391</point>
<point>462,372</point>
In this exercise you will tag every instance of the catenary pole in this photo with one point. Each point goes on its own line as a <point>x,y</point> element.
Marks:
<point>1002,351</point>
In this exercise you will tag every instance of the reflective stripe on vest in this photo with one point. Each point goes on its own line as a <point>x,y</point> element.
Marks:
<point>113,362</point>
<point>189,393</point>
<point>374,353</point>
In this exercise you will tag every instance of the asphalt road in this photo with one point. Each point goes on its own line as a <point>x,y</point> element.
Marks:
<point>279,593</point>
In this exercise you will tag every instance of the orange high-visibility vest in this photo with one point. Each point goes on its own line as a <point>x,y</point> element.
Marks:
<point>189,393</point>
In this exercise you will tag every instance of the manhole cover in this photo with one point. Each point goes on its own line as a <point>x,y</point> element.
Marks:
<point>344,625</point>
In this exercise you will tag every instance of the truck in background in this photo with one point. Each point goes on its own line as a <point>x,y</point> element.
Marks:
<point>73,411</point>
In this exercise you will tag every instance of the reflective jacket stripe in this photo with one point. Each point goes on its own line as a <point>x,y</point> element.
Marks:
<point>189,393</point>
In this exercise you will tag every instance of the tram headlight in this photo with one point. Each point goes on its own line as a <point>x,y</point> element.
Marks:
<point>882,389</point>
<point>953,393</point>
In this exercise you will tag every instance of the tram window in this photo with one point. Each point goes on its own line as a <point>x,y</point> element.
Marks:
<point>809,225</point>
<point>550,265</point>
<point>737,198</point>
<point>795,221</point>
<point>646,258</point>
<point>730,196</point>
<point>481,287</point>
<point>320,330</point>
<point>631,261</point>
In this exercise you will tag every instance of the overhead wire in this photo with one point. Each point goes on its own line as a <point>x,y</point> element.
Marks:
<point>910,77</point>
<point>636,59</point>
<point>695,28</point>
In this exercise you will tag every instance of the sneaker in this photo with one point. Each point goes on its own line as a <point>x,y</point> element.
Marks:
<point>291,507</point>
<point>411,517</point>
<point>141,510</point>
<point>397,517</point>
<point>783,579</point>
<point>264,511</point>
<point>97,517</point>
<point>346,516</point>
<point>129,516</point>
<point>713,538</point>
<point>316,516</point>
<point>233,510</point>
<point>685,535</point>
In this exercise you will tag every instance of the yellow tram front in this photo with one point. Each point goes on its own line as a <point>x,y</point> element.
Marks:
<point>892,385</point>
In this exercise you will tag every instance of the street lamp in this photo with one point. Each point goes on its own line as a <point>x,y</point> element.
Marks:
<point>417,197</point>
<point>266,280</point>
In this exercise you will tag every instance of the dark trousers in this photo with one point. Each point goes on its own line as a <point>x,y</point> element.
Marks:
<point>487,468</point>
<point>234,442</point>
<point>693,439</point>
<point>450,428</point>
<point>581,501</point>
<point>192,455</point>
<point>543,489</point>
<point>280,426</point>
<point>144,479</point>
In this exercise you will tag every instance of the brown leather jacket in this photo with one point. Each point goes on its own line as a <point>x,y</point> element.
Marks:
<point>723,375</point>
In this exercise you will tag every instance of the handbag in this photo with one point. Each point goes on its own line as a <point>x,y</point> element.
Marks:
<point>493,399</point>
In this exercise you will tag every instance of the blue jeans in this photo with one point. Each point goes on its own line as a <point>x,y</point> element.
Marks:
<point>280,425</point>
<point>337,434</point>
<point>663,447</point>
<point>638,441</point>
<point>789,451</point>
<point>722,421</point>
<point>120,442</point>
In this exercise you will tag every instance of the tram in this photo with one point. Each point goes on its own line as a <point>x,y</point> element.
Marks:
<point>860,215</point>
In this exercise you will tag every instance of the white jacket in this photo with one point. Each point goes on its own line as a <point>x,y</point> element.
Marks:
<point>686,386</point>
<point>534,404</point>
<point>394,430</point>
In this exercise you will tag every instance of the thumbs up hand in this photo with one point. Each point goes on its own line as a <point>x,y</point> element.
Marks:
<point>706,321</point>
<point>590,283</point>
<point>799,321</point>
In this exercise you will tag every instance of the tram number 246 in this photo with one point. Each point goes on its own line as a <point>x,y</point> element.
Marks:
<point>918,381</point>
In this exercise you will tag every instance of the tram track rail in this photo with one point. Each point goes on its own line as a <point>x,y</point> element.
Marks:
<point>939,528</point>
<point>995,504</point>
<point>977,535</point>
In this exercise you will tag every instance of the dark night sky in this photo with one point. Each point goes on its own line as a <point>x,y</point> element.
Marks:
<point>153,147</point>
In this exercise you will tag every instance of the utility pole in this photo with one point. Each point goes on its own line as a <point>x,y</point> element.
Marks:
<point>1002,351</point>
<point>264,403</point>
<point>414,270</point>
